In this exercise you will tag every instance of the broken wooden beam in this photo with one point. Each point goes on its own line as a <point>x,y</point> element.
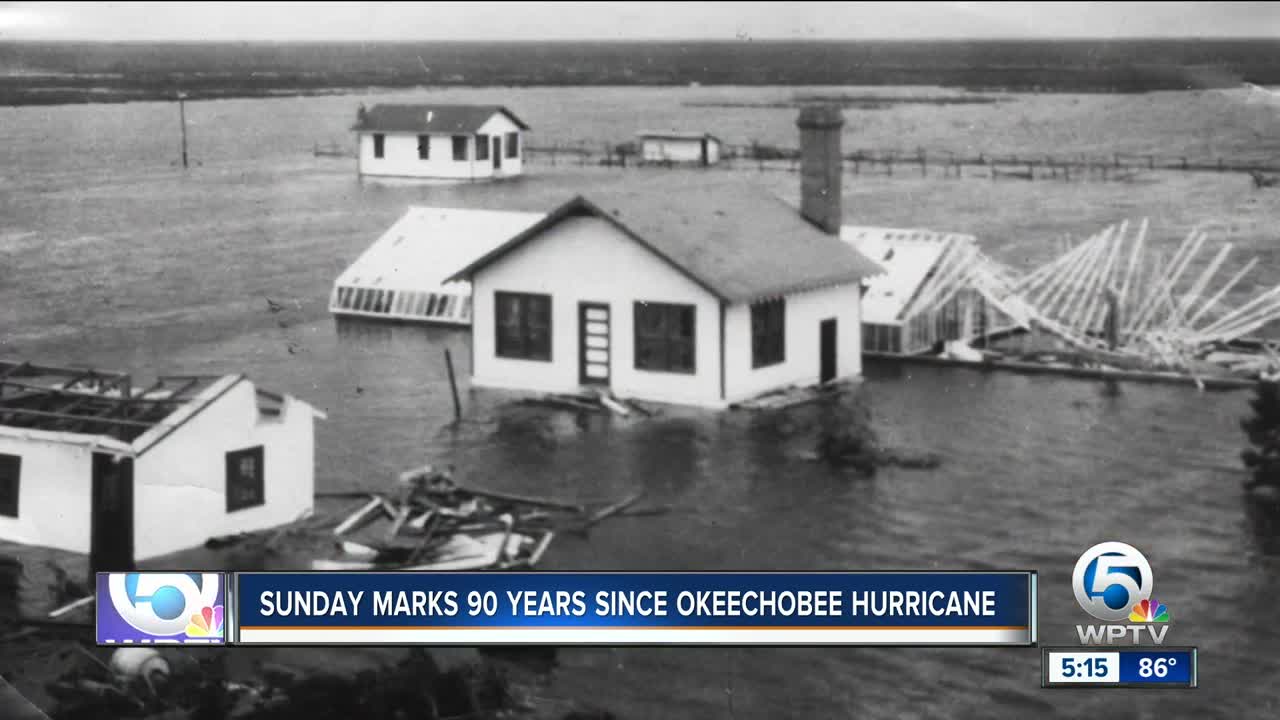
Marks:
<point>605,512</point>
<point>519,499</point>
<point>360,515</point>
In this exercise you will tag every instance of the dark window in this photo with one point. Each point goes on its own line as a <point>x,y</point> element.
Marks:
<point>524,325</point>
<point>10,470</point>
<point>460,147</point>
<point>424,147</point>
<point>513,145</point>
<point>379,144</point>
<point>245,487</point>
<point>482,147</point>
<point>768,333</point>
<point>665,337</point>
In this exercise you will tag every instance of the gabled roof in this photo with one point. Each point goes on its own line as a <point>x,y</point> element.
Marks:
<point>737,241</point>
<point>431,118</point>
<point>908,256</point>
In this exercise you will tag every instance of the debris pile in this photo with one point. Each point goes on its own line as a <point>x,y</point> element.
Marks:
<point>431,522</point>
<point>1115,299</point>
<point>1137,309</point>
<point>155,683</point>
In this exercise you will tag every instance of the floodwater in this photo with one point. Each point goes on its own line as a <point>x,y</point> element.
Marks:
<point>110,256</point>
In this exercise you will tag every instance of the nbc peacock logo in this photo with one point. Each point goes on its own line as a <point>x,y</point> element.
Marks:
<point>1113,582</point>
<point>1149,611</point>
<point>206,623</point>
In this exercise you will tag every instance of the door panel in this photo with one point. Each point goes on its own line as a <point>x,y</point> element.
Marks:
<point>111,515</point>
<point>827,350</point>
<point>594,346</point>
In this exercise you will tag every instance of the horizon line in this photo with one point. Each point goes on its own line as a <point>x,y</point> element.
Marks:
<point>634,41</point>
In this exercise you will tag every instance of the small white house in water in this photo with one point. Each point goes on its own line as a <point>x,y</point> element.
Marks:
<point>91,464</point>
<point>446,142</point>
<point>700,295</point>
<point>679,147</point>
<point>403,275</point>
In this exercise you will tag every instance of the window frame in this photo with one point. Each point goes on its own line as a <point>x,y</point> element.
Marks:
<point>525,345</point>
<point>511,146</point>
<point>10,506</point>
<point>379,146</point>
<point>482,147</point>
<point>233,462</point>
<point>768,333</point>
<point>662,349</point>
<point>461,148</point>
<point>424,143</point>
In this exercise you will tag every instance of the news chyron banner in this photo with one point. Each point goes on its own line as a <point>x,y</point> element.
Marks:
<point>566,609</point>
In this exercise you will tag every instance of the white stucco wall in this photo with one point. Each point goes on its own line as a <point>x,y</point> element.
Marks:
<point>54,491</point>
<point>681,150</point>
<point>588,260</point>
<point>180,483</point>
<point>804,313</point>
<point>499,125</point>
<point>400,156</point>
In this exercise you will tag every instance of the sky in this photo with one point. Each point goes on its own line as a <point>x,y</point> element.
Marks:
<point>384,21</point>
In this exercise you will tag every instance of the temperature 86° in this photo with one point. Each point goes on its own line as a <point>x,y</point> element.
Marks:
<point>1156,667</point>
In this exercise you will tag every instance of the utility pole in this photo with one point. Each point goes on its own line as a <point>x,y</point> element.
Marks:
<point>182,117</point>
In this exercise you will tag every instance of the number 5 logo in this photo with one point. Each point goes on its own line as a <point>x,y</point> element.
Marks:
<point>1109,579</point>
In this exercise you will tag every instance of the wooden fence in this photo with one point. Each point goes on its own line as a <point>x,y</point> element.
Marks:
<point>1078,166</point>
<point>922,163</point>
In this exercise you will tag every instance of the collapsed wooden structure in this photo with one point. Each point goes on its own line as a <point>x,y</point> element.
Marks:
<point>1112,298</point>
<point>436,524</point>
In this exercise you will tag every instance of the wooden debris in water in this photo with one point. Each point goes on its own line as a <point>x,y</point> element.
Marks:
<point>438,523</point>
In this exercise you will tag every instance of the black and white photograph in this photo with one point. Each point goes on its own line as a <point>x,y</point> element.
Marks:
<point>623,360</point>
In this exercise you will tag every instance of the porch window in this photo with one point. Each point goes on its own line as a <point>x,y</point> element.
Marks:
<point>768,333</point>
<point>523,322</point>
<point>10,470</point>
<point>460,147</point>
<point>513,145</point>
<point>665,337</point>
<point>424,147</point>
<point>379,144</point>
<point>482,147</point>
<point>245,483</point>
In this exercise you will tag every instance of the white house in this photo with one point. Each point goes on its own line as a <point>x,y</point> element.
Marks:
<point>700,295</point>
<point>679,147</point>
<point>403,275</point>
<point>91,464</point>
<point>448,142</point>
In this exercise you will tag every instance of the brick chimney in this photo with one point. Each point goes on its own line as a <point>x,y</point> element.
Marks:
<point>820,166</point>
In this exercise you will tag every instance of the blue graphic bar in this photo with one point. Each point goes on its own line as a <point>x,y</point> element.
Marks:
<point>615,608</point>
<point>1120,667</point>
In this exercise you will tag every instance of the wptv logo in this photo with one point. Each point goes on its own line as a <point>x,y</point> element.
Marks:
<point>1113,583</point>
<point>161,608</point>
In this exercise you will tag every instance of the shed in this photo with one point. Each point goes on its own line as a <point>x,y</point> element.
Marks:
<point>679,147</point>
<point>403,274</point>
<point>446,142</point>
<point>91,463</point>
